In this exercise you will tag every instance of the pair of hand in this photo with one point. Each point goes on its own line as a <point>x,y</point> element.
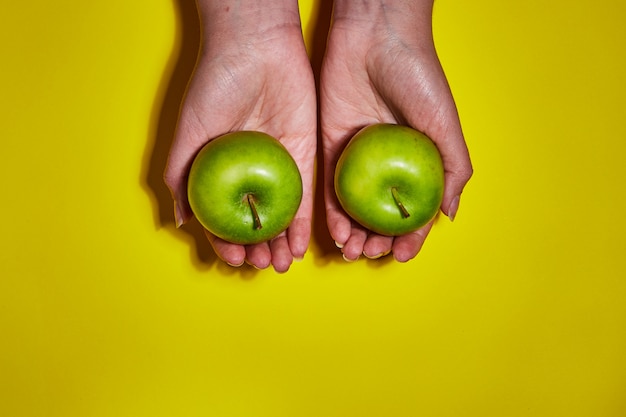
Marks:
<point>253,73</point>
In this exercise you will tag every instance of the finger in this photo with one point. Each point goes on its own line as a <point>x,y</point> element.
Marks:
<point>456,162</point>
<point>377,246</point>
<point>233,255</point>
<point>189,138</point>
<point>175,177</point>
<point>339,225</point>
<point>282,257</point>
<point>353,247</point>
<point>440,121</point>
<point>338,222</point>
<point>298,236</point>
<point>193,131</point>
<point>457,167</point>
<point>448,137</point>
<point>299,231</point>
<point>259,255</point>
<point>456,179</point>
<point>407,247</point>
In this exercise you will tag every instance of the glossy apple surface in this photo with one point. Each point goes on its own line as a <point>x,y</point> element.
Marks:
<point>390,179</point>
<point>244,187</point>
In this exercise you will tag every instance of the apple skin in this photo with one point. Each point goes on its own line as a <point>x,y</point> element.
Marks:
<point>385,156</point>
<point>231,167</point>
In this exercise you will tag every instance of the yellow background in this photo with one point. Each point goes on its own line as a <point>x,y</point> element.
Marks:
<point>518,308</point>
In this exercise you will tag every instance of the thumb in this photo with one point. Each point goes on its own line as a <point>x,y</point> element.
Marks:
<point>457,170</point>
<point>187,143</point>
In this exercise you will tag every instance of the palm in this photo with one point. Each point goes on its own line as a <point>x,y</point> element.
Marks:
<point>269,90</point>
<point>393,82</point>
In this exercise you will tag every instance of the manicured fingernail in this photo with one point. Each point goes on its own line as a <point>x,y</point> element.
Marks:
<point>339,245</point>
<point>349,260</point>
<point>453,208</point>
<point>178,215</point>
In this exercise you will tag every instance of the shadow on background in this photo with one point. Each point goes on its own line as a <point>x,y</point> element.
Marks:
<point>163,125</point>
<point>322,245</point>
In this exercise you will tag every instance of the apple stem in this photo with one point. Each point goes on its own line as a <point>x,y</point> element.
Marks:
<point>396,197</point>
<point>255,214</point>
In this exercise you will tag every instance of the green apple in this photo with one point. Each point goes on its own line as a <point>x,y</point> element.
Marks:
<point>244,187</point>
<point>390,179</point>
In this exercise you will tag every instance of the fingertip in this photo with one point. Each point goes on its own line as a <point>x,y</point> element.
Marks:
<point>348,259</point>
<point>259,267</point>
<point>233,255</point>
<point>182,210</point>
<point>407,247</point>
<point>453,207</point>
<point>404,256</point>
<point>282,257</point>
<point>259,255</point>
<point>377,246</point>
<point>353,247</point>
<point>378,256</point>
<point>298,236</point>
<point>455,183</point>
<point>339,227</point>
<point>182,213</point>
<point>281,267</point>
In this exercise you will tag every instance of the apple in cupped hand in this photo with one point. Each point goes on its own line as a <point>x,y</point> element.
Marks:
<point>390,179</point>
<point>244,187</point>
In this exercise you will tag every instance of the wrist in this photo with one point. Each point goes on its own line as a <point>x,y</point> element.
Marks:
<point>226,19</point>
<point>400,15</point>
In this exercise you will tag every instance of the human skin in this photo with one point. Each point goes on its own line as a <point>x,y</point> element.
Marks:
<point>253,73</point>
<point>381,67</point>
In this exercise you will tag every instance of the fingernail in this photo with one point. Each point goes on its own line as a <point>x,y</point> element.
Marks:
<point>298,258</point>
<point>339,245</point>
<point>178,215</point>
<point>252,265</point>
<point>453,207</point>
<point>234,265</point>
<point>378,256</point>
